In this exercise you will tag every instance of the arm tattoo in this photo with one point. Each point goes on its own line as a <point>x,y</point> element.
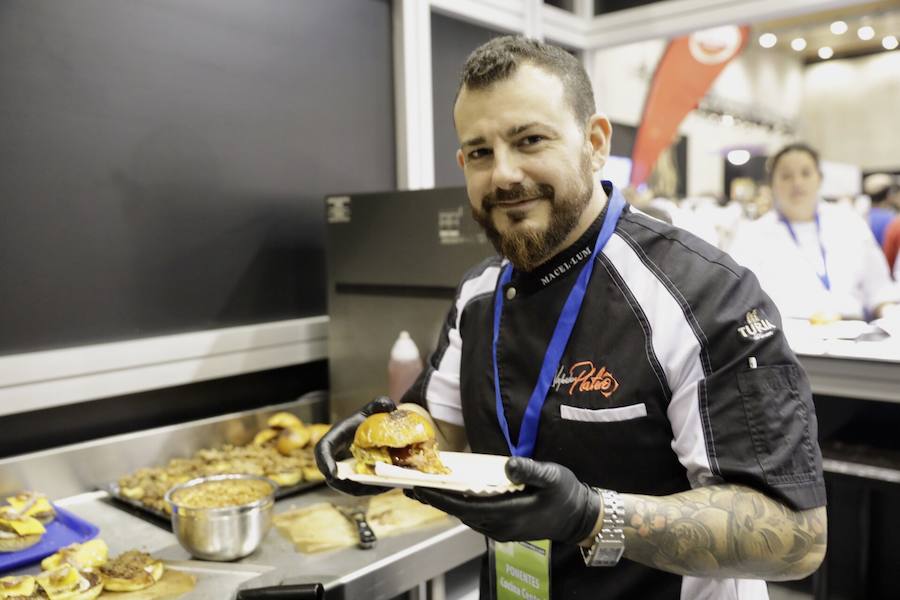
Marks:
<point>724,531</point>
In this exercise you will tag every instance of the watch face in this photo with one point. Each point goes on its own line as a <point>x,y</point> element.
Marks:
<point>604,553</point>
<point>606,557</point>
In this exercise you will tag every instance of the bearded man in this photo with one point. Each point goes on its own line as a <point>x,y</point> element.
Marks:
<point>638,377</point>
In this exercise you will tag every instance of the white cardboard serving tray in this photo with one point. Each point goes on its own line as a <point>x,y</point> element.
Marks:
<point>473,474</point>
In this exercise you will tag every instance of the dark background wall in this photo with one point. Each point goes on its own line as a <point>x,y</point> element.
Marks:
<point>451,43</point>
<point>163,162</point>
<point>607,6</point>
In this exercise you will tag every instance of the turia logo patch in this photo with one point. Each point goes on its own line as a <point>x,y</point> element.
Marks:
<point>585,377</point>
<point>757,327</point>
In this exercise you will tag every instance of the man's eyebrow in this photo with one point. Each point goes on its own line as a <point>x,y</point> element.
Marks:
<point>511,132</point>
<point>477,141</point>
<point>517,129</point>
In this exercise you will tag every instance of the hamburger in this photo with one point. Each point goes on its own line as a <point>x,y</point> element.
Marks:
<point>316,431</point>
<point>131,571</point>
<point>401,438</point>
<point>18,531</point>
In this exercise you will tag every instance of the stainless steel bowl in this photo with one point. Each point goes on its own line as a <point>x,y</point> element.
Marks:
<point>222,533</point>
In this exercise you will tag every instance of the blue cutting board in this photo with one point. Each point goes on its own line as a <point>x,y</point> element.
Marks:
<point>65,529</point>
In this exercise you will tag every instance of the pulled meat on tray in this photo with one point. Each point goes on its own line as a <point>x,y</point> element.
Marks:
<point>148,486</point>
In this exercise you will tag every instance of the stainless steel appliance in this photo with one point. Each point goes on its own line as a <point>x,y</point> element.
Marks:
<point>394,261</point>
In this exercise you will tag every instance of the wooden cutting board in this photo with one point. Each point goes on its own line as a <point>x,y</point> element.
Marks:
<point>320,527</point>
<point>170,586</point>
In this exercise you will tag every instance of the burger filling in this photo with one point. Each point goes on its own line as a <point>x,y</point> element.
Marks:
<point>130,565</point>
<point>422,457</point>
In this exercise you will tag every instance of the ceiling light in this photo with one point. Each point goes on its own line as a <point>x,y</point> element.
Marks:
<point>889,42</point>
<point>838,28</point>
<point>865,32</point>
<point>727,120</point>
<point>825,52</point>
<point>738,157</point>
<point>767,40</point>
<point>798,44</point>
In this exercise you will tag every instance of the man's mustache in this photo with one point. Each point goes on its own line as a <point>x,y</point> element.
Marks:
<point>517,194</point>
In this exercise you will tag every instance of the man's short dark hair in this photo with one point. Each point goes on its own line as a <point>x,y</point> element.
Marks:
<point>498,60</point>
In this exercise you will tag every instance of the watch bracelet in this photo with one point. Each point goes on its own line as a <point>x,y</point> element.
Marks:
<point>611,525</point>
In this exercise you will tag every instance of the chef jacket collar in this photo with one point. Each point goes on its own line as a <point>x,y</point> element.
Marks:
<point>565,262</point>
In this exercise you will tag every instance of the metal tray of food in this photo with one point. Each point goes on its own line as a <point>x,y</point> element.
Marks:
<point>291,467</point>
<point>162,518</point>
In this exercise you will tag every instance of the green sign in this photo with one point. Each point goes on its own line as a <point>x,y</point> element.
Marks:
<point>521,569</point>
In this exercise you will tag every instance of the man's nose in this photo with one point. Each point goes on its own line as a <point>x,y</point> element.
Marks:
<point>507,171</point>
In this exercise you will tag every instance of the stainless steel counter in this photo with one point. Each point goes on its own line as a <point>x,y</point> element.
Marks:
<point>859,377</point>
<point>396,564</point>
<point>867,369</point>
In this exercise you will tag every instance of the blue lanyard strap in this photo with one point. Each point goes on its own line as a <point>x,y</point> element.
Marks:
<point>823,277</point>
<point>561,335</point>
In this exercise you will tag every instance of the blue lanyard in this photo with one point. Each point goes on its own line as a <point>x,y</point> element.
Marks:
<point>823,277</point>
<point>561,335</point>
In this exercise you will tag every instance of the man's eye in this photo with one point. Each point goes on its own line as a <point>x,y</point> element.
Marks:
<point>478,153</point>
<point>531,140</point>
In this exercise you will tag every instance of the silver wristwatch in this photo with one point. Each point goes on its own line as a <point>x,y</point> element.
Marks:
<point>609,543</point>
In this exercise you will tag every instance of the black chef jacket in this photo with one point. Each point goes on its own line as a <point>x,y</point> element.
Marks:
<point>676,375</point>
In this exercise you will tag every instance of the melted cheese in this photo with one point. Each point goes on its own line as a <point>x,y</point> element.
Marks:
<point>59,581</point>
<point>41,505</point>
<point>17,586</point>
<point>91,554</point>
<point>25,525</point>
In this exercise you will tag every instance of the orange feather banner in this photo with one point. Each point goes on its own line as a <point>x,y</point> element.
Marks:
<point>686,71</point>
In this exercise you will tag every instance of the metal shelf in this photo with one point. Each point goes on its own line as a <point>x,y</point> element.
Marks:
<point>862,470</point>
<point>863,379</point>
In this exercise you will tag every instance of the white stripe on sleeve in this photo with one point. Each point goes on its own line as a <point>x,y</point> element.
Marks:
<point>442,393</point>
<point>678,352</point>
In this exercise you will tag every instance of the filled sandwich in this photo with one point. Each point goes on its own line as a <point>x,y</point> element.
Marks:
<point>131,571</point>
<point>401,438</point>
<point>18,531</point>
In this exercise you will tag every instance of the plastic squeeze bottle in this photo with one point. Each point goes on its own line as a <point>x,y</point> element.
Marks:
<point>404,366</point>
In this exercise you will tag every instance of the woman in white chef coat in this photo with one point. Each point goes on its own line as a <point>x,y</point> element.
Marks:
<point>816,260</point>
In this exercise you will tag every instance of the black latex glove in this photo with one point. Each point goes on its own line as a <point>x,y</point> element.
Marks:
<point>554,505</point>
<point>335,446</point>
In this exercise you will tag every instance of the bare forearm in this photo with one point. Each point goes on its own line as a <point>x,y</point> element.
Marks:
<point>724,531</point>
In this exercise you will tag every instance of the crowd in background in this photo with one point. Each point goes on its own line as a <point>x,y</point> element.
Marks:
<point>819,258</point>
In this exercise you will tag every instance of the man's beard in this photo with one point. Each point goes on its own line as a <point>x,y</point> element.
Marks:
<point>527,248</point>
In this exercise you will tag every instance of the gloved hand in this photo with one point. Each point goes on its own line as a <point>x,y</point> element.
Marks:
<point>554,505</point>
<point>335,446</point>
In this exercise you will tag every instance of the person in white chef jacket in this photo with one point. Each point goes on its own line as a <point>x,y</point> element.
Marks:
<point>816,260</point>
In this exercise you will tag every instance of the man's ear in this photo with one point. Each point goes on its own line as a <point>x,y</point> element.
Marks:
<point>599,136</point>
<point>460,159</point>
